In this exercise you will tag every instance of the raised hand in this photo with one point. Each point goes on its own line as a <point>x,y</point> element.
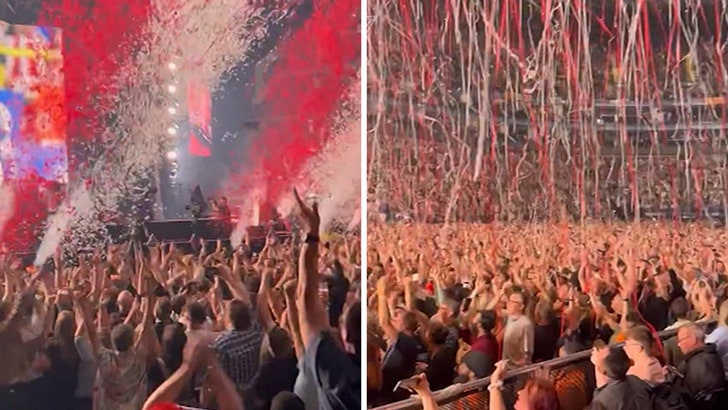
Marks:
<point>310,215</point>
<point>290,288</point>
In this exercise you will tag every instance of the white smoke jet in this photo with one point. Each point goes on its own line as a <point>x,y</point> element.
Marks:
<point>246,218</point>
<point>332,178</point>
<point>339,176</point>
<point>78,205</point>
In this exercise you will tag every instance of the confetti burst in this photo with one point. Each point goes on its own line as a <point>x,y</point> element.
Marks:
<point>204,39</point>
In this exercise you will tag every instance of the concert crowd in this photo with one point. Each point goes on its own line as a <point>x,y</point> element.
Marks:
<point>136,326</point>
<point>448,305</point>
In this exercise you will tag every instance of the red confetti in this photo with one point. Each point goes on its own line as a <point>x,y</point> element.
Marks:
<point>316,66</point>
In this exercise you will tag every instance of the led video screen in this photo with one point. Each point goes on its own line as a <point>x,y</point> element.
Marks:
<point>32,115</point>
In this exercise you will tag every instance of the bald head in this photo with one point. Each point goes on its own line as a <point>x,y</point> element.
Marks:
<point>125,300</point>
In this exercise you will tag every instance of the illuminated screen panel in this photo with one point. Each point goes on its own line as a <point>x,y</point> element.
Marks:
<point>199,106</point>
<point>32,116</point>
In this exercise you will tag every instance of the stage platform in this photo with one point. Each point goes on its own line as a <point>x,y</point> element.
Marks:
<point>182,231</point>
<point>185,234</point>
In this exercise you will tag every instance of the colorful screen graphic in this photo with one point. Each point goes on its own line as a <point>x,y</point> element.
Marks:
<point>32,116</point>
<point>199,105</point>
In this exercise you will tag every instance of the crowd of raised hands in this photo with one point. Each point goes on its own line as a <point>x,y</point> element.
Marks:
<point>452,304</point>
<point>144,327</point>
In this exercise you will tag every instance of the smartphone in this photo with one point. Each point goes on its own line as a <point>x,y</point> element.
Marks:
<point>407,384</point>
<point>160,292</point>
<point>466,304</point>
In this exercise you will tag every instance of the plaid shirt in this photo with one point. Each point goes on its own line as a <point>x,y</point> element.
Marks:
<point>239,354</point>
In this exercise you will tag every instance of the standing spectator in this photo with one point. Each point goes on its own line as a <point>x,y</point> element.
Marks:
<point>546,331</point>
<point>336,370</point>
<point>65,362</point>
<point>638,346</point>
<point>238,348</point>
<point>703,377</point>
<point>122,376</point>
<point>197,324</point>
<point>162,316</point>
<point>680,310</point>
<point>403,345</point>
<point>518,339</point>
<point>719,336</point>
<point>441,369</point>
<point>615,388</point>
<point>484,341</point>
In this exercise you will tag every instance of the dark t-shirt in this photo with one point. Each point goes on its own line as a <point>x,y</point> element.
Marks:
<point>547,335</point>
<point>62,378</point>
<point>441,371</point>
<point>427,306</point>
<point>655,311</point>
<point>338,286</point>
<point>337,375</point>
<point>399,363</point>
<point>278,375</point>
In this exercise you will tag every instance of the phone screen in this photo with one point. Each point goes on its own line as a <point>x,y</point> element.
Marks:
<point>407,384</point>
<point>466,304</point>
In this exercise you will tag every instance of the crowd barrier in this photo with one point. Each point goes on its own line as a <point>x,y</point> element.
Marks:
<point>569,370</point>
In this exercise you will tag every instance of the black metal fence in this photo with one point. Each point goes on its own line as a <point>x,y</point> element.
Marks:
<point>572,376</point>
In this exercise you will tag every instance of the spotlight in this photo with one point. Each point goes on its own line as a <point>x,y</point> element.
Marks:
<point>172,110</point>
<point>172,66</point>
<point>172,88</point>
<point>172,130</point>
<point>172,155</point>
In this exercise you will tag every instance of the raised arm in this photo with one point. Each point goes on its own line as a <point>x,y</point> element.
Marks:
<point>237,287</point>
<point>146,340</point>
<point>313,317</point>
<point>264,314</point>
<point>383,313</point>
<point>201,360</point>
<point>289,289</point>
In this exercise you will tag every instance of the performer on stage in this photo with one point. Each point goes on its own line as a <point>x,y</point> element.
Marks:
<point>197,203</point>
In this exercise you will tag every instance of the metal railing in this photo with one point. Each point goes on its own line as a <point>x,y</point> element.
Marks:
<point>570,375</point>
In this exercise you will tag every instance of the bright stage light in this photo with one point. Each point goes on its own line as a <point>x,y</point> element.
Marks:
<point>172,66</point>
<point>172,155</point>
<point>172,110</point>
<point>172,130</point>
<point>172,88</point>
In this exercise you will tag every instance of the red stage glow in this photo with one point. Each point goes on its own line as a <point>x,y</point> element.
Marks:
<point>315,68</point>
